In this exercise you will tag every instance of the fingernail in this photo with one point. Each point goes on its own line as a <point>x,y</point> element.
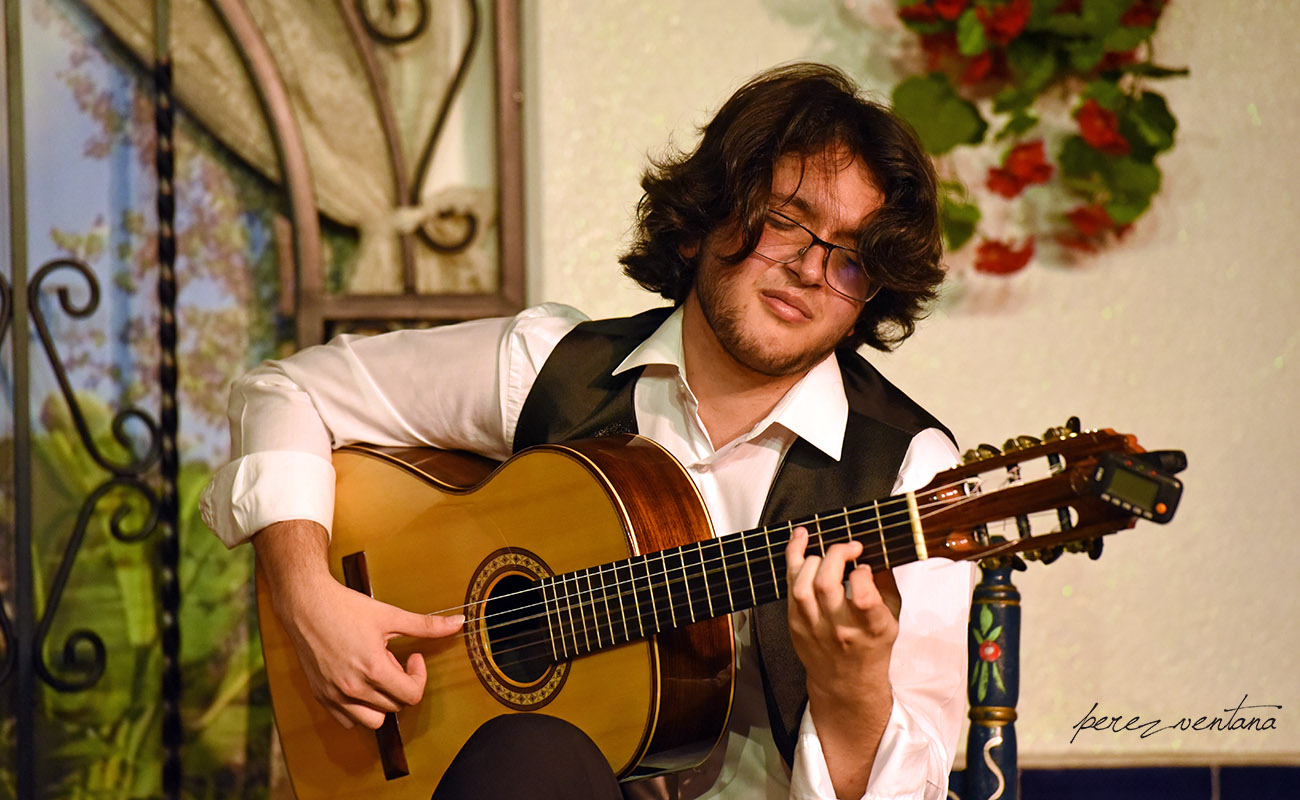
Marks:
<point>458,619</point>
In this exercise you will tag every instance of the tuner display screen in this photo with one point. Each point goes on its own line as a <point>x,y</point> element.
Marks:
<point>1133,488</point>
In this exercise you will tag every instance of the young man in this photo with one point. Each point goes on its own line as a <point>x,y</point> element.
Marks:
<point>804,224</point>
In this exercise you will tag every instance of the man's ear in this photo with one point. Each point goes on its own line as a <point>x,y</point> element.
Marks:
<point>689,251</point>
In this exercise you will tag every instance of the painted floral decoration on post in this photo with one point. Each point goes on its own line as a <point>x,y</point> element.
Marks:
<point>990,651</point>
<point>995,69</point>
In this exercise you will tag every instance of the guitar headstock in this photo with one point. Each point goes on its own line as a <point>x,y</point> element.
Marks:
<point>1052,494</point>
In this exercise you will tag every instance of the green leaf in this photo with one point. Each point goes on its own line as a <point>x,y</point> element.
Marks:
<point>983,688</point>
<point>959,221</point>
<point>1107,94</point>
<point>970,34</point>
<point>1019,124</point>
<point>1148,70</point>
<point>1124,39</point>
<point>1133,178</point>
<point>1126,211</point>
<point>1079,160</point>
<point>1104,16</point>
<point>1085,54</point>
<point>986,617</point>
<point>994,634</point>
<point>997,677</point>
<point>941,117</point>
<point>1010,99</point>
<point>1032,64</point>
<point>1150,119</point>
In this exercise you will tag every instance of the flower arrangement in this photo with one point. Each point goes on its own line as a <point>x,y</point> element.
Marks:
<point>995,70</point>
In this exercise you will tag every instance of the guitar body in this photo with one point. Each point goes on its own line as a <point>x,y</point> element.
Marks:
<point>444,531</point>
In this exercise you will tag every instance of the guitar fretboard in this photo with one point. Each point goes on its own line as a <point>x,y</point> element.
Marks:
<point>619,602</point>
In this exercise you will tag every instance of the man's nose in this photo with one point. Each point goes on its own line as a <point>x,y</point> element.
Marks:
<point>810,266</point>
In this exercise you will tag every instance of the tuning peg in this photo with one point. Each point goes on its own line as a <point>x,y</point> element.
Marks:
<point>980,453</point>
<point>1073,425</point>
<point>1049,554</point>
<point>1094,548</point>
<point>1019,443</point>
<point>1057,433</point>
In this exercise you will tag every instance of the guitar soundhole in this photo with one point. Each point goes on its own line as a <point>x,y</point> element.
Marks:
<point>509,640</point>
<point>516,631</point>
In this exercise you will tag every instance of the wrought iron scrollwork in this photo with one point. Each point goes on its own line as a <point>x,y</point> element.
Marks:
<point>392,22</point>
<point>88,668</point>
<point>83,652</point>
<point>451,230</point>
<point>135,465</point>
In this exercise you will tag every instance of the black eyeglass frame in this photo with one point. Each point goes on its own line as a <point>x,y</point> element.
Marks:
<point>826,259</point>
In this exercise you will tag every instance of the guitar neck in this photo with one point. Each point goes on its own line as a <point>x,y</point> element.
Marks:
<point>610,604</point>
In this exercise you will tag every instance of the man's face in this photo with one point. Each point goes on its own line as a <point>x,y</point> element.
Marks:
<point>781,319</point>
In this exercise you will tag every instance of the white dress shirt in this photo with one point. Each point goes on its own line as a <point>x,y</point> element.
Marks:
<point>463,386</point>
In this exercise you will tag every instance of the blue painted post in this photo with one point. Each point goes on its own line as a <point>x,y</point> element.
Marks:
<point>994,687</point>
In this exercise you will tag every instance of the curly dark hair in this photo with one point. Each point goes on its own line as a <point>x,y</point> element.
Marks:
<point>801,110</point>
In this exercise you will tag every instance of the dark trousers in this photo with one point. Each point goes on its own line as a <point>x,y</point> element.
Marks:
<point>528,757</point>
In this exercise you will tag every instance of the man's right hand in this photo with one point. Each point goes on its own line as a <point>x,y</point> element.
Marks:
<point>341,636</point>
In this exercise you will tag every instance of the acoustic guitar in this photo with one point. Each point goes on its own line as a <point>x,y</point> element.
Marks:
<point>595,590</point>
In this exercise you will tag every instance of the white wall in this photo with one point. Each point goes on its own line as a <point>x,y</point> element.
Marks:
<point>1187,334</point>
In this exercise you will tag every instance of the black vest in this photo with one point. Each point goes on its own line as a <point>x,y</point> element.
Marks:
<point>577,397</point>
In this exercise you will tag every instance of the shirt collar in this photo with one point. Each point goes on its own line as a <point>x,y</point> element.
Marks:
<point>815,408</point>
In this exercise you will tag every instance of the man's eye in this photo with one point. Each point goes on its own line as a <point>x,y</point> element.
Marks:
<point>781,223</point>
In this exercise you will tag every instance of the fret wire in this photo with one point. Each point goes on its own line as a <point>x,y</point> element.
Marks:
<point>595,609</point>
<point>749,575</point>
<point>771,557</point>
<point>604,598</point>
<point>622,612</point>
<point>546,612</point>
<point>726,576</point>
<point>668,587</point>
<point>586,629</point>
<point>650,589</point>
<point>880,526</point>
<point>573,624</point>
<point>704,574</point>
<point>686,583</point>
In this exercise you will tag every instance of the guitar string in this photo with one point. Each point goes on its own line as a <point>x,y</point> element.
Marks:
<point>664,583</point>
<point>742,536</point>
<point>588,601</point>
<point>872,548</point>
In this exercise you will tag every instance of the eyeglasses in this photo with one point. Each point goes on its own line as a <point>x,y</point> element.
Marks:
<point>786,241</point>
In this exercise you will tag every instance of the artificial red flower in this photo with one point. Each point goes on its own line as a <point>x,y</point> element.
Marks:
<point>1142,14</point>
<point>1001,181</point>
<point>1100,128</point>
<point>1004,22</point>
<point>1026,164</point>
<point>989,651</point>
<point>1090,221</point>
<point>977,69</point>
<point>950,9</point>
<point>999,258</point>
<point>920,12</point>
<point>937,47</point>
<point>1112,61</point>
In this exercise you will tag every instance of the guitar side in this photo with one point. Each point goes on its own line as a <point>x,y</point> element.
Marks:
<point>433,535</point>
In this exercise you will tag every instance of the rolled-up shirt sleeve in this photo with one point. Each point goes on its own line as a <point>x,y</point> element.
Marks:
<point>927,670</point>
<point>458,386</point>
